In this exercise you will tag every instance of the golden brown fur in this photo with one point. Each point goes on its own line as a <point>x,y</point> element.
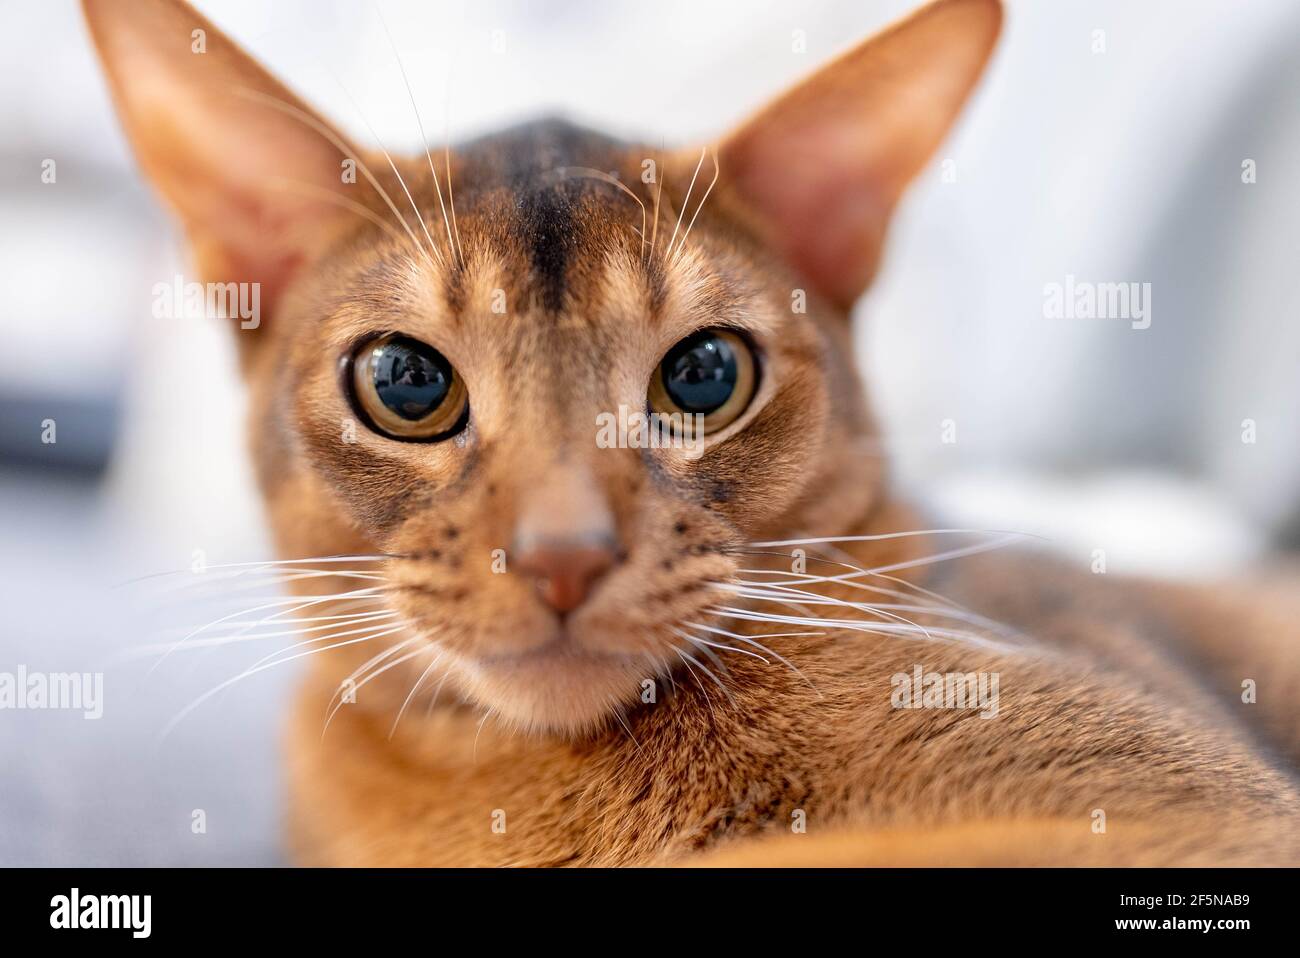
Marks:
<point>1118,698</point>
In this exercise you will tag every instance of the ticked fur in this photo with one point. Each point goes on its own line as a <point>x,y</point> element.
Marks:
<point>708,702</point>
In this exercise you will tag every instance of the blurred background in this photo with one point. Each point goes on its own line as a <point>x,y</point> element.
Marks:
<point>1107,143</point>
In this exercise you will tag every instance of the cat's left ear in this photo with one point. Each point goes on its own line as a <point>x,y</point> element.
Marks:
<point>820,170</point>
<point>259,181</point>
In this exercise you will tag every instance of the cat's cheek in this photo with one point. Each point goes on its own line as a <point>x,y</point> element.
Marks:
<point>753,477</point>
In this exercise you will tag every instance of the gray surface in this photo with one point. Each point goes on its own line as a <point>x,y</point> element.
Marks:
<point>107,792</point>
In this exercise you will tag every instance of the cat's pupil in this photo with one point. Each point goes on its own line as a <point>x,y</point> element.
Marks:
<point>699,373</point>
<point>411,379</point>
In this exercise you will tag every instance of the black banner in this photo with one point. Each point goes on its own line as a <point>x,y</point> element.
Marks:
<point>941,908</point>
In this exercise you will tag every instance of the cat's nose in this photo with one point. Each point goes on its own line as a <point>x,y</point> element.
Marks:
<point>564,537</point>
<point>565,572</point>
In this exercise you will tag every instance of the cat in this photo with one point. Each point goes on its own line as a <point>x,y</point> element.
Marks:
<point>737,649</point>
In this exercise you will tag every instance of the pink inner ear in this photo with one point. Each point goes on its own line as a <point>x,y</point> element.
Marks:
<point>818,195</point>
<point>242,227</point>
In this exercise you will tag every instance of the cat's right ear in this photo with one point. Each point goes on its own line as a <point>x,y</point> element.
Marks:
<point>257,179</point>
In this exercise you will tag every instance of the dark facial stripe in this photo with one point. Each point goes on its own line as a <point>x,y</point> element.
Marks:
<point>548,228</point>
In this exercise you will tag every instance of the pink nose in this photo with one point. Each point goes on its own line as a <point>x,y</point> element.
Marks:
<point>565,573</point>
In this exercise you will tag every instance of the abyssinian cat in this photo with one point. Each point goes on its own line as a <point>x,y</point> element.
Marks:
<point>718,650</point>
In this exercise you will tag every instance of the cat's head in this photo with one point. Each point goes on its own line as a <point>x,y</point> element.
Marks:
<point>467,390</point>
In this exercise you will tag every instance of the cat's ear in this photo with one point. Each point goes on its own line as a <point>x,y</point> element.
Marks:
<point>255,176</point>
<point>821,168</point>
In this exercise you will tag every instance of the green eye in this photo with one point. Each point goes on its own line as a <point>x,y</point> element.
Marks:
<point>712,373</point>
<point>408,390</point>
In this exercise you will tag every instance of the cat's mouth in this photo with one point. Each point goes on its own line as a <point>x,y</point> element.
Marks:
<point>563,648</point>
<point>559,686</point>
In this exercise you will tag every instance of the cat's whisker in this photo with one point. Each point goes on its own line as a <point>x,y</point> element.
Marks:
<point>881,590</point>
<point>803,578</point>
<point>419,122</point>
<point>231,586</point>
<point>703,691</point>
<point>956,613</point>
<point>329,196</point>
<point>433,247</point>
<point>726,648</point>
<point>618,713</point>
<point>883,536</point>
<point>326,638</point>
<point>786,601</point>
<point>223,640</point>
<point>857,625</point>
<point>704,649</point>
<point>264,563</point>
<point>942,604</point>
<point>296,602</point>
<point>487,714</point>
<point>325,618</point>
<point>659,190</point>
<point>342,699</point>
<point>685,203</point>
<point>750,640</point>
<point>437,691</point>
<point>705,669</point>
<point>666,669</point>
<point>446,160</point>
<point>812,598</point>
<point>416,687</point>
<point>900,627</point>
<point>897,580</point>
<point>180,716</point>
<point>355,681</point>
<point>312,123</point>
<point>704,199</point>
<point>760,635</point>
<point>1007,539</point>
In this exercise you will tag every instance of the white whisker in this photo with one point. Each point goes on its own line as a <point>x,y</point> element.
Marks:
<point>310,121</point>
<point>414,689</point>
<point>218,641</point>
<point>707,701</point>
<point>396,172</point>
<point>338,695</point>
<point>704,199</point>
<point>249,672</point>
<point>726,648</point>
<point>882,536</point>
<point>358,594</point>
<point>685,203</point>
<point>451,244</point>
<point>705,669</point>
<point>750,640</point>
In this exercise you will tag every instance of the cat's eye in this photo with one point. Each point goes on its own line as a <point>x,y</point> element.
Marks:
<point>407,390</point>
<point>712,373</point>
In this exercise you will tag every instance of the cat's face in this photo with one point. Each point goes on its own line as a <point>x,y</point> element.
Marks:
<point>543,354</point>
<point>466,395</point>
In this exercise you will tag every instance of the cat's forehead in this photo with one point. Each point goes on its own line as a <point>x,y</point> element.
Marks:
<point>551,224</point>
<point>547,205</point>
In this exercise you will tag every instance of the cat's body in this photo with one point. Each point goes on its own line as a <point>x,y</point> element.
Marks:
<point>593,662</point>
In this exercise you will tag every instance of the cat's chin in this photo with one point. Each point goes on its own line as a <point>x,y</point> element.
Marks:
<point>558,691</point>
